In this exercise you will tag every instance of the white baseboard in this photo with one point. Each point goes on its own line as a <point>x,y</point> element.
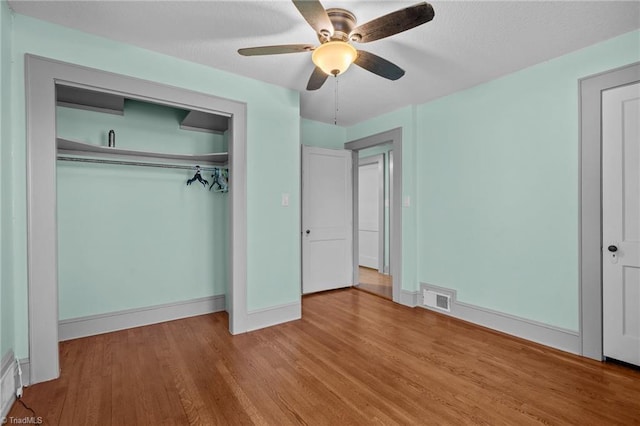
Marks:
<point>368,262</point>
<point>8,374</point>
<point>409,298</point>
<point>262,318</point>
<point>104,323</point>
<point>545,334</point>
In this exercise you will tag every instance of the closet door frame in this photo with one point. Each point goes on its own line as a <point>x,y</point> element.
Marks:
<point>41,76</point>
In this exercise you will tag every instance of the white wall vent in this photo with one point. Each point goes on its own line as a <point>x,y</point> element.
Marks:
<point>436,300</point>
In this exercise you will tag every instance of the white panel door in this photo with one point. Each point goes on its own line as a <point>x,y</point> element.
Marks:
<point>327,221</point>
<point>621,222</point>
<point>368,215</point>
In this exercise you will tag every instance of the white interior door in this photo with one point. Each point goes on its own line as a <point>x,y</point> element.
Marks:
<point>621,222</point>
<point>327,221</point>
<point>369,215</point>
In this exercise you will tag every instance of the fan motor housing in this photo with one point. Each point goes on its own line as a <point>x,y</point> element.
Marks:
<point>343,23</point>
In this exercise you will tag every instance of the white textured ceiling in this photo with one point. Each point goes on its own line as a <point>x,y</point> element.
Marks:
<point>467,42</point>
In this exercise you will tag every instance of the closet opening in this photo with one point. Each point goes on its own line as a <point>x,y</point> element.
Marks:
<point>116,237</point>
<point>142,211</point>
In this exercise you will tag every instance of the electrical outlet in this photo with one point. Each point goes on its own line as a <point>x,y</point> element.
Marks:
<point>20,384</point>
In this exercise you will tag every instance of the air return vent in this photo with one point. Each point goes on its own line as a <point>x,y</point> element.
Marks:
<point>436,300</point>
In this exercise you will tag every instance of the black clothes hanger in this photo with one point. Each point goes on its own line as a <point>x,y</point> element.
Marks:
<point>219,181</point>
<point>198,177</point>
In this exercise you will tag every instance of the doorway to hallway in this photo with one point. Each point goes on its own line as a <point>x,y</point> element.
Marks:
<point>378,246</point>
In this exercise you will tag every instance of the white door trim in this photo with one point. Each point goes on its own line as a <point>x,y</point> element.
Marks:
<point>394,137</point>
<point>379,160</point>
<point>590,192</point>
<point>41,76</point>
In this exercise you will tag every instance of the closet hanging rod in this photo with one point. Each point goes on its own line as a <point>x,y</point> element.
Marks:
<point>139,163</point>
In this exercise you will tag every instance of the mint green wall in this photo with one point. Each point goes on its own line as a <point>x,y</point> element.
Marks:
<point>131,237</point>
<point>323,135</point>
<point>6,279</point>
<point>405,119</point>
<point>497,183</point>
<point>273,152</point>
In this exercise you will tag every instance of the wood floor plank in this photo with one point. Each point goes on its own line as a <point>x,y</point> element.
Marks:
<point>353,359</point>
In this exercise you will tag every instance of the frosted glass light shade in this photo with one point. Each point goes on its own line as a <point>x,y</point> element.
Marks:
<point>334,57</point>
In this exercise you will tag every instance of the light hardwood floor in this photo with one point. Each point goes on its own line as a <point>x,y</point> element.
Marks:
<point>374,282</point>
<point>354,359</point>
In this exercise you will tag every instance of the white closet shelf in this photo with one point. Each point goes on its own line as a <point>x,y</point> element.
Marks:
<point>69,147</point>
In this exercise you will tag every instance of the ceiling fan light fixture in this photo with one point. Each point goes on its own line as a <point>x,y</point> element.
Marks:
<point>334,57</point>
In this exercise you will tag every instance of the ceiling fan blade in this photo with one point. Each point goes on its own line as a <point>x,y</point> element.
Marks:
<point>317,79</point>
<point>378,65</point>
<point>315,14</point>
<point>276,50</point>
<point>393,23</point>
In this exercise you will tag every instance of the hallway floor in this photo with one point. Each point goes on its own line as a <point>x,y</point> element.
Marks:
<point>374,282</point>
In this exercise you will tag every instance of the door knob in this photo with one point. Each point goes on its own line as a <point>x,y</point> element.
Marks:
<point>612,249</point>
<point>308,231</point>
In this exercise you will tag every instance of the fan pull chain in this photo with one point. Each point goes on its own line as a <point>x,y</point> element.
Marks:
<point>335,115</point>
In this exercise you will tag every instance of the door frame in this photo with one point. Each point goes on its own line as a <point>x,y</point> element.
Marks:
<point>590,203</point>
<point>378,159</point>
<point>394,137</point>
<point>41,76</point>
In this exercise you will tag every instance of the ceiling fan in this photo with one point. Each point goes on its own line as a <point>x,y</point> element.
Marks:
<point>336,28</point>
